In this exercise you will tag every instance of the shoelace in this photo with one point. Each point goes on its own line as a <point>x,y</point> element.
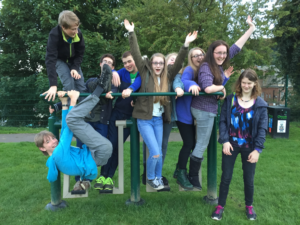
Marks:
<point>250,209</point>
<point>218,209</point>
<point>108,181</point>
<point>100,179</point>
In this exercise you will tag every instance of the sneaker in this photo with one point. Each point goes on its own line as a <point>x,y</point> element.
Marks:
<point>86,184</point>
<point>165,181</point>
<point>154,184</point>
<point>160,182</point>
<point>250,213</point>
<point>217,214</point>
<point>100,182</point>
<point>109,184</point>
<point>104,80</point>
<point>77,186</point>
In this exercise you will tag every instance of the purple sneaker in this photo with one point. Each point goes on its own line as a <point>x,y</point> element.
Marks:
<point>217,214</point>
<point>250,213</point>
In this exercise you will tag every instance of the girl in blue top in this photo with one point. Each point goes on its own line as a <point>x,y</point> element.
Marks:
<point>242,128</point>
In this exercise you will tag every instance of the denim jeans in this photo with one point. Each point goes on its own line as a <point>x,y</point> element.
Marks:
<point>205,123</point>
<point>227,171</point>
<point>109,169</point>
<point>68,82</point>
<point>152,133</point>
<point>167,128</point>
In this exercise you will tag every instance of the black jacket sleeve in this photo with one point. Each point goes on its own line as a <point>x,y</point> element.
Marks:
<point>51,58</point>
<point>262,128</point>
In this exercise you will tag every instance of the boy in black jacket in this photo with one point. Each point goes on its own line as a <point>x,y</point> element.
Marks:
<point>65,50</point>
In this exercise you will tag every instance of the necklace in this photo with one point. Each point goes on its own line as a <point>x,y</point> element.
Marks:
<point>245,100</point>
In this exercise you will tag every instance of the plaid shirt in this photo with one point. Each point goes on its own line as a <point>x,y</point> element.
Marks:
<point>205,79</point>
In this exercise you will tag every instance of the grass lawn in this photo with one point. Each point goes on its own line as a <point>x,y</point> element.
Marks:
<point>20,130</point>
<point>25,191</point>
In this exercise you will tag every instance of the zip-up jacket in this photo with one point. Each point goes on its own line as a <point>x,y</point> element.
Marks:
<point>259,123</point>
<point>59,48</point>
<point>144,105</point>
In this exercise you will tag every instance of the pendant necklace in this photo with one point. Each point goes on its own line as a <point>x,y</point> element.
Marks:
<point>246,101</point>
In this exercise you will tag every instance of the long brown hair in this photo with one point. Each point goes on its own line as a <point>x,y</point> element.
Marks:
<point>252,76</point>
<point>210,60</point>
<point>163,86</point>
<point>190,62</point>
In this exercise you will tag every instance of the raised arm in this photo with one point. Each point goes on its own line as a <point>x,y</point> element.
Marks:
<point>175,68</point>
<point>241,42</point>
<point>134,47</point>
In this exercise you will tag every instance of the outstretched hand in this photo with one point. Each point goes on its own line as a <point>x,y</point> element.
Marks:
<point>190,38</point>
<point>128,26</point>
<point>229,72</point>
<point>51,93</point>
<point>249,21</point>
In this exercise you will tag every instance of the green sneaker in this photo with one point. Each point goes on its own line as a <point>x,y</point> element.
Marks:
<point>109,184</point>
<point>100,182</point>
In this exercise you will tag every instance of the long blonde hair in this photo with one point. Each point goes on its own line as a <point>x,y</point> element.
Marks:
<point>163,86</point>
<point>190,62</point>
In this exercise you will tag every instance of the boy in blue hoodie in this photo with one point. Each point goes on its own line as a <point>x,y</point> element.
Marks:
<point>72,160</point>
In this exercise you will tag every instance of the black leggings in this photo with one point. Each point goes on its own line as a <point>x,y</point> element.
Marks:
<point>227,170</point>
<point>187,132</point>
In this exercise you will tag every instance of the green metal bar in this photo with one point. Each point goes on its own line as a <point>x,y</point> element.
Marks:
<point>140,94</point>
<point>211,197</point>
<point>56,185</point>
<point>286,89</point>
<point>135,197</point>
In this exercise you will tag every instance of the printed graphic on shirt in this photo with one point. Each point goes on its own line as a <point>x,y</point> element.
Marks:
<point>241,125</point>
<point>132,77</point>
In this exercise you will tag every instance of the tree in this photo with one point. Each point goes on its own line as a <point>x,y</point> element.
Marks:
<point>24,29</point>
<point>161,26</point>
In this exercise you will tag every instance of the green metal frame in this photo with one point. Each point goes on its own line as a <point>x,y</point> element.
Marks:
<point>135,197</point>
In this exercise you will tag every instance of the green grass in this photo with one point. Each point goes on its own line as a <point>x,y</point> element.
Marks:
<point>20,130</point>
<point>25,191</point>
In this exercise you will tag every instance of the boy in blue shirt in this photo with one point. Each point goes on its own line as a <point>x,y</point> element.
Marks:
<point>72,160</point>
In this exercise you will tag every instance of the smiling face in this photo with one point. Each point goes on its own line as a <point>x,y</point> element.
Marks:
<point>129,64</point>
<point>158,64</point>
<point>171,60</point>
<point>107,61</point>
<point>50,143</point>
<point>247,85</point>
<point>71,31</point>
<point>197,56</point>
<point>220,54</point>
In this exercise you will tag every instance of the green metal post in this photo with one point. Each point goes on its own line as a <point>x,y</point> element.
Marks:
<point>56,202</point>
<point>135,197</point>
<point>286,89</point>
<point>211,197</point>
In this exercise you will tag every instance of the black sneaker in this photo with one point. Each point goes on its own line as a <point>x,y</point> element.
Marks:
<point>104,80</point>
<point>217,214</point>
<point>165,181</point>
<point>194,180</point>
<point>250,213</point>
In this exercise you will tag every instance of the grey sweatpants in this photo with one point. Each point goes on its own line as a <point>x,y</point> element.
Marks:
<point>99,146</point>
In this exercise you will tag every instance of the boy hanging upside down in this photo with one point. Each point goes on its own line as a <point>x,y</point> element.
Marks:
<point>72,160</point>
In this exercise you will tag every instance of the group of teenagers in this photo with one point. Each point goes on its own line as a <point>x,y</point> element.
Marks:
<point>242,127</point>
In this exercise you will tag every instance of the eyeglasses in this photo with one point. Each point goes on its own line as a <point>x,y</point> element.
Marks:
<point>197,56</point>
<point>158,63</point>
<point>107,62</point>
<point>221,53</point>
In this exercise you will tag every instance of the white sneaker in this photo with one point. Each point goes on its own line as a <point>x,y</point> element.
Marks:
<point>160,182</point>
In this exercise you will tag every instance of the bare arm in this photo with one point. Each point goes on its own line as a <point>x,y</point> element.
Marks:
<point>241,42</point>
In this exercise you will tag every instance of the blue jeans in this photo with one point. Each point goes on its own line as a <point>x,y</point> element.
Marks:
<point>101,129</point>
<point>152,133</point>
<point>109,169</point>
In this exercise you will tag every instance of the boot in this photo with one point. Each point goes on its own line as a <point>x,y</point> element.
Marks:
<point>176,171</point>
<point>195,165</point>
<point>183,181</point>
